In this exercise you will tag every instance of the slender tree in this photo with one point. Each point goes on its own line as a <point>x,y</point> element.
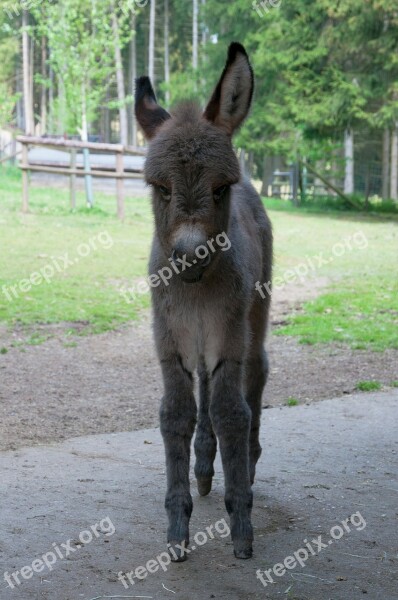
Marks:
<point>132,77</point>
<point>121,92</point>
<point>394,164</point>
<point>27,75</point>
<point>151,49</point>
<point>195,39</point>
<point>166,52</point>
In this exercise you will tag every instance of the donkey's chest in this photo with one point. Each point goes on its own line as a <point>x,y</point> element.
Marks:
<point>198,335</point>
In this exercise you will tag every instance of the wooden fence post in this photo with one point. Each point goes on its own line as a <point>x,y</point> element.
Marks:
<point>120,185</point>
<point>25,178</point>
<point>73,179</point>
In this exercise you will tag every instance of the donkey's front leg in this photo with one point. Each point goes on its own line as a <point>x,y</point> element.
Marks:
<point>177,424</point>
<point>205,441</point>
<point>231,419</point>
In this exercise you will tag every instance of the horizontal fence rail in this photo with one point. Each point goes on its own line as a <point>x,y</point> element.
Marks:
<point>119,172</point>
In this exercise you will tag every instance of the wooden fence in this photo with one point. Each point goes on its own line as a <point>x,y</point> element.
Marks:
<point>73,170</point>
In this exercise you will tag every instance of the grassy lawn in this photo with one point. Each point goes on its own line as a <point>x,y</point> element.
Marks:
<point>359,254</point>
<point>93,257</point>
<point>103,256</point>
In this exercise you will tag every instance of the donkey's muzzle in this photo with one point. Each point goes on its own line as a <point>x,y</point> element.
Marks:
<point>191,266</point>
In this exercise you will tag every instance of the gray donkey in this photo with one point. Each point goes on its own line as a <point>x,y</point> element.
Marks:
<point>212,243</point>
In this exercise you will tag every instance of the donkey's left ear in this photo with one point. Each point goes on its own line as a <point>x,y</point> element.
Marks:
<point>148,113</point>
<point>231,99</point>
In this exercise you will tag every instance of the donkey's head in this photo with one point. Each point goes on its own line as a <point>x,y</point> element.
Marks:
<point>191,163</point>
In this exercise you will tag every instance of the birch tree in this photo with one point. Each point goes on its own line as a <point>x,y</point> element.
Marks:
<point>166,52</point>
<point>151,50</point>
<point>27,75</point>
<point>195,35</point>
<point>121,91</point>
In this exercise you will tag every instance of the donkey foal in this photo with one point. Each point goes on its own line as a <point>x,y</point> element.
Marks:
<point>208,316</point>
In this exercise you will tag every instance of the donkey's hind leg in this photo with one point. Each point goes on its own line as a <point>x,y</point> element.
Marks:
<point>205,440</point>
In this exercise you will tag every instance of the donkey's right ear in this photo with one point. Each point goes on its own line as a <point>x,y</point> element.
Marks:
<point>149,114</point>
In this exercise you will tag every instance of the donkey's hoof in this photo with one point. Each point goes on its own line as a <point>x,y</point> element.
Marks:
<point>243,549</point>
<point>204,485</point>
<point>178,551</point>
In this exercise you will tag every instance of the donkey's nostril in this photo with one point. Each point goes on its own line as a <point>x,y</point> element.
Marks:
<point>204,262</point>
<point>175,255</point>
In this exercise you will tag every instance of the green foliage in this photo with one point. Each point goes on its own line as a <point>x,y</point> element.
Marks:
<point>80,41</point>
<point>320,66</point>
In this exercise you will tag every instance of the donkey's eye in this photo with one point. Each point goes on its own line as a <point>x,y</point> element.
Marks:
<point>220,192</point>
<point>165,192</point>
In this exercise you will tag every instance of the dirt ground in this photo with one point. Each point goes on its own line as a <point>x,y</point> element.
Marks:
<point>81,385</point>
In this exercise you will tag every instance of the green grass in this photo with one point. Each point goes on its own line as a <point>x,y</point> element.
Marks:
<point>359,307</point>
<point>88,291</point>
<point>394,384</point>
<point>292,401</point>
<point>368,386</point>
<point>361,314</point>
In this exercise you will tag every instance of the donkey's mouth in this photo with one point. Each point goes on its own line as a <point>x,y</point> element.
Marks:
<point>194,278</point>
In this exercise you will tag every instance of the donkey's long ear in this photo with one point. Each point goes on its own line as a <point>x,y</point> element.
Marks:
<point>148,113</point>
<point>232,97</point>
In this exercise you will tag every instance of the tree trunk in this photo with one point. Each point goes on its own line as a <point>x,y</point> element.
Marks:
<point>166,51</point>
<point>151,53</point>
<point>132,78</point>
<point>204,28</point>
<point>86,154</point>
<point>20,102</point>
<point>195,35</point>
<point>394,164</point>
<point>267,175</point>
<point>242,162</point>
<point>386,164</point>
<point>43,102</point>
<point>107,120</point>
<point>28,108</point>
<point>250,164</point>
<point>61,126</point>
<point>31,76</point>
<point>51,102</point>
<point>349,161</point>
<point>121,92</point>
